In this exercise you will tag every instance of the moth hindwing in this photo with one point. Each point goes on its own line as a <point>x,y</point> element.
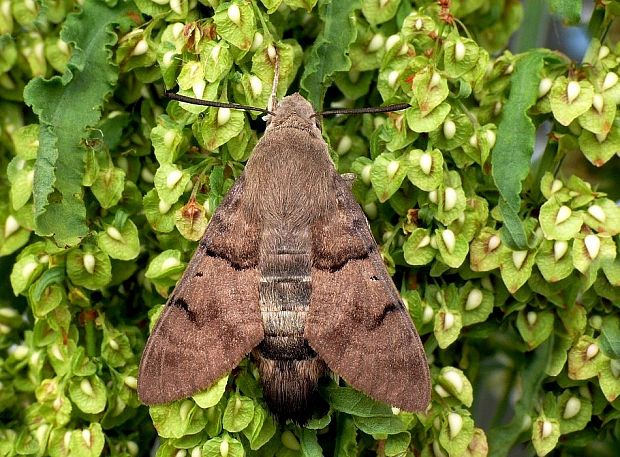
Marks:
<point>289,271</point>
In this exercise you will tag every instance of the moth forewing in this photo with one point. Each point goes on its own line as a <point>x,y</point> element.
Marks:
<point>289,270</point>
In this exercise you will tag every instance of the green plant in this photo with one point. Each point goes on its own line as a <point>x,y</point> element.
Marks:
<point>508,267</point>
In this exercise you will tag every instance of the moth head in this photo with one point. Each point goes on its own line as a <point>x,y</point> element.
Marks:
<point>295,111</point>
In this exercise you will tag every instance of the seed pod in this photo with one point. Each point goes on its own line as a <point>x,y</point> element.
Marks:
<point>591,351</point>
<point>86,436</point>
<point>432,196</point>
<point>603,52</point>
<point>435,80</point>
<point>86,387</point>
<point>449,240</point>
<point>257,41</point>
<point>491,138</point>
<point>271,52</point>
<point>234,14</point>
<point>365,174</point>
<point>10,226</point>
<point>572,408</point>
<point>454,379</point>
<point>449,129</point>
<point>572,91</point>
<point>163,207</point>
<point>598,102</point>
<point>391,41</point>
<point>593,245</point>
<point>459,51</point>
<point>544,87</point>
<point>556,185</point>
<point>547,429</point>
<point>597,213</point>
<point>563,214</point>
<point>448,320</point>
<point>140,48</point>
<point>611,79</point>
<point>89,262</point>
<point>392,168</point>
<point>393,78</point>
<point>559,249</point>
<point>493,243</point>
<point>256,85</point>
<point>199,88</point>
<point>427,314</point>
<point>449,198</point>
<point>114,233</point>
<point>518,257</point>
<point>426,163</point>
<point>474,299</point>
<point>176,6</point>
<point>223,116</point>
<point>174,177</point>
<point>532,318</point>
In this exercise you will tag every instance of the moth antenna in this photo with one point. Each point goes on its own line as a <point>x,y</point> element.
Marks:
<point>273,101</point>
<point>378,109</point>
<point>197,101</point>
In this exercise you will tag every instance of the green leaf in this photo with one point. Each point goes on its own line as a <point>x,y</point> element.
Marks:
<point>456,383</point>
<point>167,264</point>
<point>88,394</point>
<point>211,396</point>
<point>239,34</point>
<point>81,262</point>
<point>569,10</point>
<point>397,445</point>
<point>261,429</point>
<point>516,136</point>
<point>328,54</point>
<point>87,442</point>
<point>213,447</point>
<point>160,214</point>
<point>599,149</point>
<point>351,401</point>
<point>554,270</point>
<point>564,110</point>
<point>456,443</point>
<point>534,326</point>
<point>514,274</point>
<point>387,174</point>
<point>576,412</point>
<point>170,182</point>
<point>24,273</point>
<point>417,248</point>
<point>238,413</point>
<point>108,186</point>
<point>426,122</point>
<point>378,12</point>
<point>448,325</point>
<point>610,337</point>
<point>121,244</point>
<point>545,434</point>
<point>177,419</point>
<point>309,444</point>
<point>418,176</point>
<point>380,426</point>
<point>585,359</point>
<point>559,222</point>
<point>66,106</point>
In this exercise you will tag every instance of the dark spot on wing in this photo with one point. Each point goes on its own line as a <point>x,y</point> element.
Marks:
<point>182,305</point>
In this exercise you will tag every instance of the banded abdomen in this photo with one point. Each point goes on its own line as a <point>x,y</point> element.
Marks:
<point>288,366</point>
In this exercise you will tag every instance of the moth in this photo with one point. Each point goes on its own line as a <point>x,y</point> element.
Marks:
<point>287,270</point>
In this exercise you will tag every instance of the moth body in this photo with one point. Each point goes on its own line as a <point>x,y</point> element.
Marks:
<point>289,271</point>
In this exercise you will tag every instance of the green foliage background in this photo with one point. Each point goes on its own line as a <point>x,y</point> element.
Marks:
<point>508,266</point>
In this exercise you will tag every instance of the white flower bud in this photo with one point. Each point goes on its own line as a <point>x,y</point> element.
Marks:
<point>365,174</point>
<point>491,138</point>
<point>28,269</point>
<point>271,52</point>
<point>170,262</point>
<point>435,80</point>
<point>563,214</point>
<point>223,116</point>
<point>459,51</point>
<point>559,249</point>
<point>215,52</point>
<point>89,262</point>
<point>449,129</point>
<point>611,79</point>
<point>547,429</point>
<point>199,88</point>
<point>455,424</point>
<point>603,52</point>
<point>392,168</point>
<point>593,245</point>
<point>572,91</point>
<point>449,240</point>
<point>234,13</point>
<point>376,43</point>
<point>449,198</point>
<point>391,41</point>
<point>114,233</point>
<point>544,87</point>
<point>426,163</point>
<point>344,145</point>
<point>393,78</point>
<point>131,382</point>
<point>597,213</point>
<point>86,387</point>
<point>518,257</point>
<point>531,317</point>
<point>141,48</point>
<point>256,85</point>
<point>10,226</point>
<point>493,243</point>
<point>432,196</point>
<point>572,408</point>
<point>174,177</point>
<point>591,351</point>
<point>598,102</point>
<point>176,6</point>
<point>257,41</point>
<point>454,379</point>
<point>474,299</point>
<point>427,314</point>
<point>224,446</point>
<point>448,320</point>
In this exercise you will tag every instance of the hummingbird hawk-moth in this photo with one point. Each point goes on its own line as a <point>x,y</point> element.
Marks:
<point>287,270</point>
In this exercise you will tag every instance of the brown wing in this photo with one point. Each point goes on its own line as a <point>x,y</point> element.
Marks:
<point>357,322</point>
<point>212,318</point>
